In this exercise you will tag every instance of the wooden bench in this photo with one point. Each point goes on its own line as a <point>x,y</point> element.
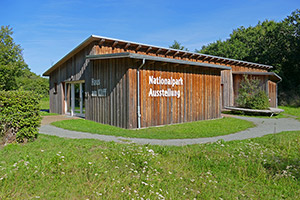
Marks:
<point>271,111</point>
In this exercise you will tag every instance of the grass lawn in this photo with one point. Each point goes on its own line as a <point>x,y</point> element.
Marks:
<point>44,113</point>
<point>58,168</point>
<point>197,129</point>
<point>44,105</point>
<point>295,111</point>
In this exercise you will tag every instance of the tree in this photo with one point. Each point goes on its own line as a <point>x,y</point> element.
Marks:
<point>14,72</point>
<point>251,95</point>
<point>271,43</point>
<point>31,82</point>
<point>177,45</point>
<point>12,63</point>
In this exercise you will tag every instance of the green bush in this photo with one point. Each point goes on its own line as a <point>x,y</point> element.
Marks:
<point>251,95</point>
<point>19,115</point>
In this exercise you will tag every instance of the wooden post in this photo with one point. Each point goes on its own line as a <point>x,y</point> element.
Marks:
<point>66,98</point>
<point>72,99</point>
<point>80,96</point>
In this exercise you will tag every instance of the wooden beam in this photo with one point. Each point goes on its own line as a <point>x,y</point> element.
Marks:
<point>138,47</point>
<point>212,59</point>
<point>184,54</point>
<point>149,49</point>
<point>200,56</point>
<point>101,41</point>
<point>235,62</point>
<point>221,60</point>
<point>176,53</point>
<point>167,52</point>
<point>191,55</point>
<point>127,45</point>
<point>115,43</point>
<point>206,58</point>
<point>230,62</point>
<point>158,50</point>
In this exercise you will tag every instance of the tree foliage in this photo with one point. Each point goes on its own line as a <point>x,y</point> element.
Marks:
<point>251,95</point>
<point>11,60</point>
<point>271,43</point>
<point>14,72</point>
<point>29,81</point>
<point>177,45</point>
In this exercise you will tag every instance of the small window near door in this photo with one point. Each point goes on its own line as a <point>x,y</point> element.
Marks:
<point>55,88</point>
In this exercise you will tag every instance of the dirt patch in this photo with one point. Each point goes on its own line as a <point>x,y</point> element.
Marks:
<point>53,118</point>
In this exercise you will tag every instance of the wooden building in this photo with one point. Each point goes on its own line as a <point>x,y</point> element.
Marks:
<point>134,85</point>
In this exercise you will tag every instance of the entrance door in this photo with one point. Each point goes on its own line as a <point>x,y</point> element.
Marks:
<point>74,99</point>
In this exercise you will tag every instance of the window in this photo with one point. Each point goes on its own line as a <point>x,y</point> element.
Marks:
<point>55,88</point>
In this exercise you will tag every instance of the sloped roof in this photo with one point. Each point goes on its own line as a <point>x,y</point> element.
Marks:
<point>155,49</point>
<point>272,76</point>
<point>154,58</point>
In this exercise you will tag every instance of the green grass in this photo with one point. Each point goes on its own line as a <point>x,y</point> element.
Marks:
<point>44,113</point>
<point>58,168</point>
<point>197,129</point>
<point>290,110</point>
<point>44,103</point>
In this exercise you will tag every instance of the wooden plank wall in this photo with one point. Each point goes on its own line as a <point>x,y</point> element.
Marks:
<point>230,86</point>
<point>199,98</point>
<point>272,90</point>
<point>72,70</point>
<point>112,109</point>
<point>227,93</point>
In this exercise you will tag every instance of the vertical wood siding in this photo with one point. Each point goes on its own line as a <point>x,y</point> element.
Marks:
<point>272,90</point>
<point>72,70</point>
<point>230,86</point>
<point>199,95</point>
<point>112,109</point>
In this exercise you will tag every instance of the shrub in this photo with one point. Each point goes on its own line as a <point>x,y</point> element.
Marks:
<point>19,116</point>
<point>251,95</point>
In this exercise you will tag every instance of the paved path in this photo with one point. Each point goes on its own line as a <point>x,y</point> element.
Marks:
<point>264,126</point>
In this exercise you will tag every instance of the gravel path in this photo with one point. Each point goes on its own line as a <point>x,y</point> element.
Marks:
<point>264,126</point>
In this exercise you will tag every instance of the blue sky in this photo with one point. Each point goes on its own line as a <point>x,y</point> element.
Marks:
<point>47,30</point>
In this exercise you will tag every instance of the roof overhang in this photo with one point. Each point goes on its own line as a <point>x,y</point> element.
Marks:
<point>155,58</point>
<point>272,76</point>
<point>154,49</point>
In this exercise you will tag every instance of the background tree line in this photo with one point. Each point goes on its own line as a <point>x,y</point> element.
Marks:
<point>14,72</point>
<point>271,43</point>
